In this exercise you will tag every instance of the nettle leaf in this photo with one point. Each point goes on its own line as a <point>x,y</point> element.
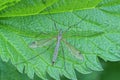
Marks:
<point>27,23</point>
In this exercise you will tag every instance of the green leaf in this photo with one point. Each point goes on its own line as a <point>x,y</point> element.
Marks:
<point>98,35</point>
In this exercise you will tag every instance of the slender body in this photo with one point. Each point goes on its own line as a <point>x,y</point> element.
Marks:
<point>59,37</point>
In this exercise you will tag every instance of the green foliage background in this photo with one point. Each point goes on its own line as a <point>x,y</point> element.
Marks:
<point>111,72</point>
<point>24,21</point>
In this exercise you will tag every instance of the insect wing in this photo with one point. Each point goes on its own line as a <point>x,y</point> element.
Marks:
<point>40,43</point>
<point>74,51</point>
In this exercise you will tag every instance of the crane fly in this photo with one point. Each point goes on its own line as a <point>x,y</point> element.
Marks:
<point>72,49</point>
<point>40,43</point>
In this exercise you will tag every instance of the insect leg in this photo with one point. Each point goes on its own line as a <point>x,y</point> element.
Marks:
<point>69,27</point>
<point>35,55</point>
<point>63,56</point>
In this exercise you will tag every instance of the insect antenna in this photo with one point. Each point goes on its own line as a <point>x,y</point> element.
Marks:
<point>44,2</point>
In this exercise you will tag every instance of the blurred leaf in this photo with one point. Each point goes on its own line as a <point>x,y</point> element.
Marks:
<point>9,72</point>
<point>97,35</point>
<point>111,72</point>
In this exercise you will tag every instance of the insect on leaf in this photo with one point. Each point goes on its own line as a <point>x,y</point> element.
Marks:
<point>98,35</point>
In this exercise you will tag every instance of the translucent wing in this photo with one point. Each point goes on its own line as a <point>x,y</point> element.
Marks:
<point>74,51</point>
<point>41,43</point>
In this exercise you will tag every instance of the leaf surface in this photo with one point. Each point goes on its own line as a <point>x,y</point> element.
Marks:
<point>98,35</point>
